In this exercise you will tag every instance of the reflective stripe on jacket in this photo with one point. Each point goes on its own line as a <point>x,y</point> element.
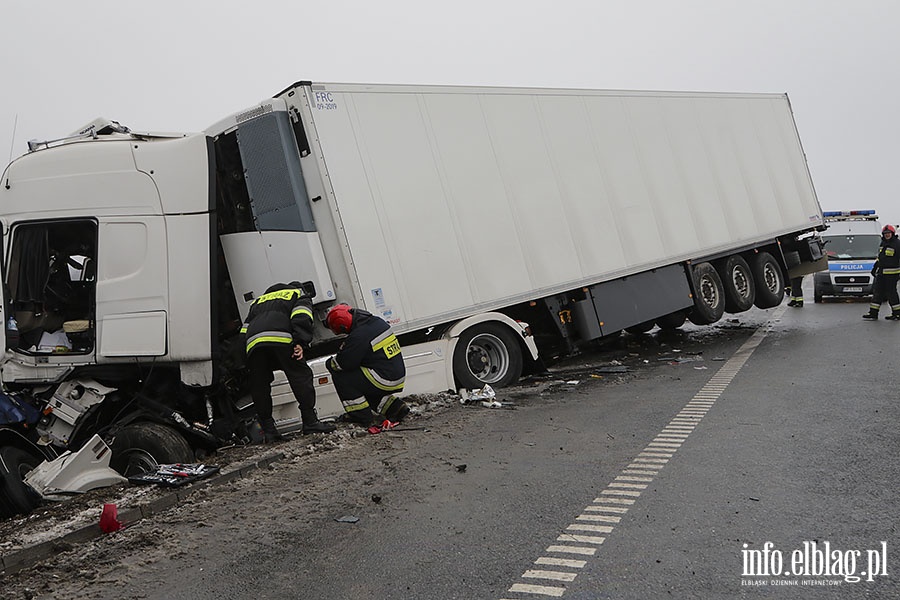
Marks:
<point>889,256</point>
<point>280,316</point>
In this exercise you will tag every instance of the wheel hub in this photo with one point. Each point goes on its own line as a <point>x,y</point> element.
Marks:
<point>488,358</point>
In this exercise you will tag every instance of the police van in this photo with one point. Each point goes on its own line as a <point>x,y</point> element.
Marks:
<point>851,244</point>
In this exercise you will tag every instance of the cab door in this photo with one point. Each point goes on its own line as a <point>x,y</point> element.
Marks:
<point>11,337</point>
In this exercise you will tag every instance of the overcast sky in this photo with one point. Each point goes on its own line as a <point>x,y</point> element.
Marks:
<point>182,65</point>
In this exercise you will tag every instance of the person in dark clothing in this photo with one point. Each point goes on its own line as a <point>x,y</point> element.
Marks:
<point>368,367</point>
<point>796,292</point>
<point>279,327</point>
<point>886,272</point>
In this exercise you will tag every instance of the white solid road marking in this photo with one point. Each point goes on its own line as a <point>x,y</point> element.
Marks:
<point>552,575</point>
<point>538,589</point>
<point>560,562</point>
<point>612,509</point>
<point>614,500</point>
<point>646,464</point>
<point>582,539</point>
<point>572,550</point>
<point>598,518</point>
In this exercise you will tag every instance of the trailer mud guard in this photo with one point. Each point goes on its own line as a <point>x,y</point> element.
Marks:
<point>488,360</point>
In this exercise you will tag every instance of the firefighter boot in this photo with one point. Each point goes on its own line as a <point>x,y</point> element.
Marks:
<point>894,316</point>
<point>269,431</point>
<point>363,416</point>
<point>395,409</point>
<point>872,315</point>
<point>312,424</point>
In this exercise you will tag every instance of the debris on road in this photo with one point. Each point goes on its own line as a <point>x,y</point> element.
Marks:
<point>677,360</point>
<point>74,472</point>
<point>485,393</point>
<point>347,519</point>
<point>175,475</point>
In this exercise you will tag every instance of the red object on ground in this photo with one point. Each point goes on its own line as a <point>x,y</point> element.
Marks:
<point>385,425</point>
<point>109,519</point>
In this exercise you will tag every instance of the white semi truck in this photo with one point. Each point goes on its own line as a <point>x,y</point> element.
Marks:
<point>481,223</point>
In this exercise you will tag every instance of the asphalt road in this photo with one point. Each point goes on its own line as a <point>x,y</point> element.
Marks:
<point>766,443</point>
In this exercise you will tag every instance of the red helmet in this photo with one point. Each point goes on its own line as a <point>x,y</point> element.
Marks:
<point>888,228</point>
<point>339,319</point>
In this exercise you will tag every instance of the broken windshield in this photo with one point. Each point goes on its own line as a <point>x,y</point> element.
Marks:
<point>848,247</point>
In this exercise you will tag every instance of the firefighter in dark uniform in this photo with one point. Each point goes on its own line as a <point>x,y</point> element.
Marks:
<point>886,271</point>
<point>279,327</point>
<point>796,292</point>
<point>368,367</point>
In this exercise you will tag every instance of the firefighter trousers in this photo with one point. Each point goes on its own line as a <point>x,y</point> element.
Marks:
<point>263,361</point>
<point>885,290</point>
<point>357,392</point>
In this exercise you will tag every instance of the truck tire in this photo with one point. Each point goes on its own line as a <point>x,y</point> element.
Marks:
<point>817,294</point>
<point>671,321</point>
<point>641,327</point>
<point>17,497</point>
<point>142,447</point>
<point>769,280</point>
<point>737,280</point>
<point>487,353</point>
<point>709,295</point>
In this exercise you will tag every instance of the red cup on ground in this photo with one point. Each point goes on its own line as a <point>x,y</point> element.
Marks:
<point>109,519</point>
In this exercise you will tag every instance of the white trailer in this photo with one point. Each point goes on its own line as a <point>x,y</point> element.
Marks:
<point>480,223</point>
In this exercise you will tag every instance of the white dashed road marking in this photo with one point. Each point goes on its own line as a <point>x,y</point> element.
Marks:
<point>631,482</point>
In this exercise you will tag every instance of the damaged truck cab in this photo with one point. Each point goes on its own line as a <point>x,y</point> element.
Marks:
<point>106,297</point>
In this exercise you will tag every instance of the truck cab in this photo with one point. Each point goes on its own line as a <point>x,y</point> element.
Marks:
<point>851,245</point>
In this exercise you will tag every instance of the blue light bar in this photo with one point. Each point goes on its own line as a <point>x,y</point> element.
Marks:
<point>848,213</point>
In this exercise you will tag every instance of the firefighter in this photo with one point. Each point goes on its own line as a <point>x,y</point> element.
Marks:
<point>278,330</point>
<point>886,272</point>
<point>368,367</point>
<point>796,292</point>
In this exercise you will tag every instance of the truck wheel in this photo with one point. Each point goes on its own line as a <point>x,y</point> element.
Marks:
<point>142,447</point>
<point>769,280</point>
<point>17,497</point>
<point>817,294</point>
<point>737,280</point>
<point>671,321</point>
<point>487,353</point>
<point>641,327</point>
<point>709,296</point>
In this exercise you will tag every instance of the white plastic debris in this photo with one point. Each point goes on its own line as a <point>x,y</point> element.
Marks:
<point>486,393</point>
<point>573,382</point>
<point>492,404</point>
